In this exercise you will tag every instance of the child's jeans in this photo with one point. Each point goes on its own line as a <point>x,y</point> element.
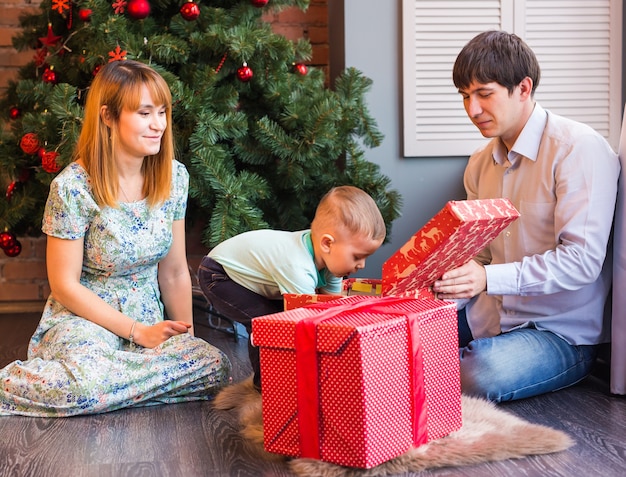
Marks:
<point>237,303</point>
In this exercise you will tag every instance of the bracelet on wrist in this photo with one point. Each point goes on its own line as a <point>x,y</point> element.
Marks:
<point>131,336</point>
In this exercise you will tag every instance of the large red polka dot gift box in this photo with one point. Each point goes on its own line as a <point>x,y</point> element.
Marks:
<point>455,235</point>
<point>359,380</point>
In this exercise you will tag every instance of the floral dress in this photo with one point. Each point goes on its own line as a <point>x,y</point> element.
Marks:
<point>77,367</point>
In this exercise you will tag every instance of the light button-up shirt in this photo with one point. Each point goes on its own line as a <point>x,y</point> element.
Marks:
<point>548,267</point>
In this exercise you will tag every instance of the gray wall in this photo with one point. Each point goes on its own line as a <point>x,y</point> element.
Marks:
<point>372,32</point>
<point>367,35</point>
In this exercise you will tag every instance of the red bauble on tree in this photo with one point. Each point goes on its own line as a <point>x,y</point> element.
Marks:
<point>14,250</point>
<point>49,75</point>
<point>7,239</point>
<point>190,11</point>
<point>49,161</point>
<point>29,143</point>
<point>138,9</point>
<point>85,14</point>
<point>259,3</point>
<point>14,112</point>
<point>301,68</point>
<point>245,73</point>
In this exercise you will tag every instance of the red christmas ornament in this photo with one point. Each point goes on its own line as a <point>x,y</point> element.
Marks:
<point>14,250</point>
<point>49,162</point>
<point>259,3</point>
<point>11,189</point>
<point>50,39</point>
<point>49,75</point>
<point>7,239</point>
<point>138,9</point>
<point>245,73</point>
<point>29,143</point>
<point>14,112</point>
<point>190,11</point>
<point>301,69</point>
<point>96,69</point>
<point>85,14</point>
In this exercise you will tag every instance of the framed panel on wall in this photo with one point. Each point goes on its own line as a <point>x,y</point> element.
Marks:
<point>578,44</point>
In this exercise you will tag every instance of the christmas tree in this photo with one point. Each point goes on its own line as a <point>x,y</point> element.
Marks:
<point>261,135</point>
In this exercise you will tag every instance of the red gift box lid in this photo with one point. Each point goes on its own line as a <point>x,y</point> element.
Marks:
<point>451,238</point>
<point>279,330</point>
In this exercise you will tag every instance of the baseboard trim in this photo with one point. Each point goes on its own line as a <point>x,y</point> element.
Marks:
<point>22,306</point>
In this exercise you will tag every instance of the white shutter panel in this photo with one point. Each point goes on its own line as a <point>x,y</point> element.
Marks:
<point>578,44</point>
<point>579,52</point>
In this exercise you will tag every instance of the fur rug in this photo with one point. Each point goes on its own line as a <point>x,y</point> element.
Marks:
<point>488,434</point>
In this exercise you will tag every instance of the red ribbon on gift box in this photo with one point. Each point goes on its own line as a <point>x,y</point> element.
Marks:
<point>307,368</point>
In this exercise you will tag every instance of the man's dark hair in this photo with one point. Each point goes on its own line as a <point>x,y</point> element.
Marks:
<point>496,56</point>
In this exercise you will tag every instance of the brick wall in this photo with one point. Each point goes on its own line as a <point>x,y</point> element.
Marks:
<point>23,283</point>
<point>10,59</point>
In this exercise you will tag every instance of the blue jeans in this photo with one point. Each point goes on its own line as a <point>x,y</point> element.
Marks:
<point>520,363</point>
<point>237,303</point>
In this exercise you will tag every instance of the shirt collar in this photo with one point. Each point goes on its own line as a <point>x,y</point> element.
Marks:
<point>528,141</point>
<point>308,242</point>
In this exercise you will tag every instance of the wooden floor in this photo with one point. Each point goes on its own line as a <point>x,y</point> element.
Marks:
<point>192,439</point>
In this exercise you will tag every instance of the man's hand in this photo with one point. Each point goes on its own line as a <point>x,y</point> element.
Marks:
<point>466,281</point>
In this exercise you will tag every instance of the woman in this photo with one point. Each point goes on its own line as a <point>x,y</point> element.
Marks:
<point>116,262</point>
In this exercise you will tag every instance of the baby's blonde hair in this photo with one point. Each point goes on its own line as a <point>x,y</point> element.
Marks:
<point>351,208</point>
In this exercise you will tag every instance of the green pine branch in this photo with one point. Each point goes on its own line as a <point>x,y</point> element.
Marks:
<point>260,153</point>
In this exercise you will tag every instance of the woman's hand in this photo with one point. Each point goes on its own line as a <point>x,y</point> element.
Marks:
<point>152,336</point>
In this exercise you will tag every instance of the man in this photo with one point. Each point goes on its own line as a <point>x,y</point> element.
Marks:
<point>537,293</point>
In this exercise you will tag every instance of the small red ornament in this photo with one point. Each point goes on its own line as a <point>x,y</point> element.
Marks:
<point>14,250</point>
<point>49,162</point>
<point>14,112</point>
<point>85,14</point>
<point>29,143</point>
<point>50,39</point>
<point>49,75</point>
<point>245,73</point>
<point>60,5</point>
<point>301,69</point>
<point>138,9</point>
<point>96,69</point>
<point>7,239</point>
<point>117,54</point>
<point>259,3</point>
<point>190,11</point>
<point>11,189</point>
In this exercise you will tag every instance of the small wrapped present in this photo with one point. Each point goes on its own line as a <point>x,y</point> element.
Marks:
<point>298,300</point>
<point>359,380</point>
<point>363,286</point>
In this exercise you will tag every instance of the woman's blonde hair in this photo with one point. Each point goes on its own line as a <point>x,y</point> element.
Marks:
<point>118,86</point>
<point>351,208</point>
